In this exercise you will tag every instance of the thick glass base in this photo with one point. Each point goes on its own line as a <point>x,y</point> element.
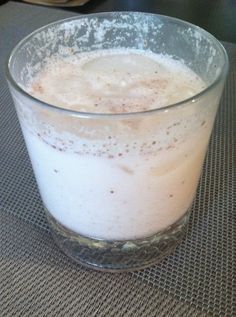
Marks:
<point>118,256</point>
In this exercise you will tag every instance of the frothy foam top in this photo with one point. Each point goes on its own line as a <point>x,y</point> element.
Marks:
<point>114,81</point>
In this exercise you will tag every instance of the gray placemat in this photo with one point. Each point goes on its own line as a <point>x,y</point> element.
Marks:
<point>37,280</point>
<point>201,273</point>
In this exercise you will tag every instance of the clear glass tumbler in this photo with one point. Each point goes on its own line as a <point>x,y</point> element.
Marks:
<point>117,188</point>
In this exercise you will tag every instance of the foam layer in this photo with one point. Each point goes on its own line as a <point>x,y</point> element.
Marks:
<point>115,81</point>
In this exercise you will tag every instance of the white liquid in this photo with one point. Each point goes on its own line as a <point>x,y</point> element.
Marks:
<point>136,181</point>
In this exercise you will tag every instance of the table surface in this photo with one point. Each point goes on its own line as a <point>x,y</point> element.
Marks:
<point>216,16</point>
<point>36,279</point>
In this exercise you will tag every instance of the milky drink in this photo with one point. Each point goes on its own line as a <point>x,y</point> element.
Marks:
<point>123,176</point>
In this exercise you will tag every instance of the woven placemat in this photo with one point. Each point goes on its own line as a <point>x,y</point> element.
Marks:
<point>36,279</point>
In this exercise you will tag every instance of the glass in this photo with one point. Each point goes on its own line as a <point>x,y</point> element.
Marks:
<point>117,188</point>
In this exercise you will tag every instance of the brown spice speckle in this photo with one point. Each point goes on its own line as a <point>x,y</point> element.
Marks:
<point>126,169</point>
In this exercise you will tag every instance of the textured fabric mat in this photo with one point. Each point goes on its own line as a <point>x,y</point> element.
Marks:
<point>36,279</point>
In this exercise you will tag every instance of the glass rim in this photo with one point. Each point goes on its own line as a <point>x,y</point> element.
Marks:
<point>104,115</point>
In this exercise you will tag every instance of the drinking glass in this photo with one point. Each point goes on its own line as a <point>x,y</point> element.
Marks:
<point>117,188</point>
